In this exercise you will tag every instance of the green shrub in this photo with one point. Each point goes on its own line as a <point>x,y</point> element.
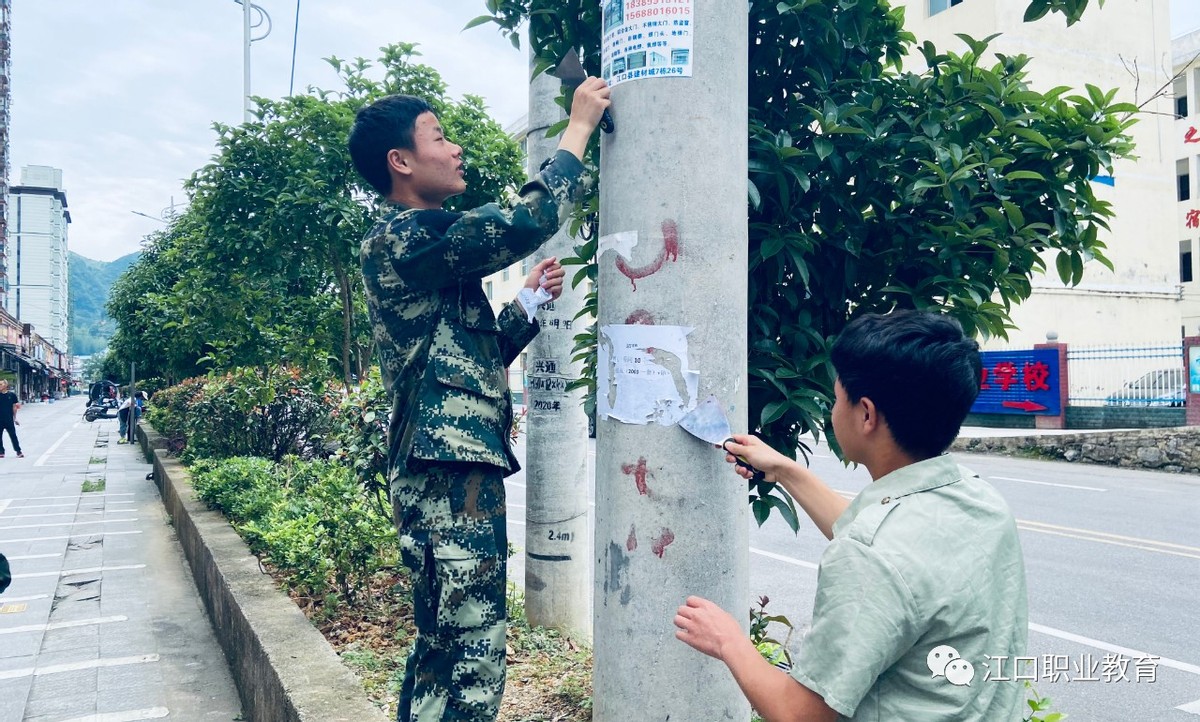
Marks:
<point>170,409</point>
<point>244,489</point>
<point>270,412</point>
<point>311,520</point>
<point>360,425</point>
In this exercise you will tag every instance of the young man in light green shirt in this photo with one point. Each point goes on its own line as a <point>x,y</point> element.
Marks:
<point>921,606</point>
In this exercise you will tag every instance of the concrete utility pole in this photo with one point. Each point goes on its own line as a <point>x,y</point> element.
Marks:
<point>557,559</point>
<point>671,518</point>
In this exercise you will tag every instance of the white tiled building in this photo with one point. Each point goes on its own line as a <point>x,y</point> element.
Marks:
<point>1123,45</point>
<point>1186,137</point>
<point>37,253</point>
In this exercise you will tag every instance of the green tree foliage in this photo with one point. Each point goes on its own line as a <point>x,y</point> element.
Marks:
<point>872,188</point>
<point>262,268</point>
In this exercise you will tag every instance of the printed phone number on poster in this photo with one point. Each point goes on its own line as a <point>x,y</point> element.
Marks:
<point>655,12</point>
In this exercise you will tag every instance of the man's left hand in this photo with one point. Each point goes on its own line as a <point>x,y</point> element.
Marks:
<point>547,275</point>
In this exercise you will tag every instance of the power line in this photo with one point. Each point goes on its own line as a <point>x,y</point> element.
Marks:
<point>295,34</point>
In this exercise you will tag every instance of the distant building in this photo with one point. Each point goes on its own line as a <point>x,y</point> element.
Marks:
<point>5,104</point>
<point>1185,51</point>
<point>37,257</point>
<point>1122,45</point>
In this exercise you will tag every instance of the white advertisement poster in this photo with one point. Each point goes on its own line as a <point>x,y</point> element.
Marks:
<point>643,375</point>
<point>646,39</point>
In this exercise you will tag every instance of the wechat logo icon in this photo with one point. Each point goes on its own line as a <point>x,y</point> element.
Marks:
<point>945,661</point>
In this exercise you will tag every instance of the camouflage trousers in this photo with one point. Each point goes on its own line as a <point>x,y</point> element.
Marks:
<point>454,541</point>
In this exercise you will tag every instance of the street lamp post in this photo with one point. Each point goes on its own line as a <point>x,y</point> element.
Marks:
<point>247,27</point>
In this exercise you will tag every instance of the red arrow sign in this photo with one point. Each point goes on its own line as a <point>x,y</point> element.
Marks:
<point>1028,406</point>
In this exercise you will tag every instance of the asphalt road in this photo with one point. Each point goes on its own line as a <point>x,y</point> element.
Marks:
<point>1113,565</point>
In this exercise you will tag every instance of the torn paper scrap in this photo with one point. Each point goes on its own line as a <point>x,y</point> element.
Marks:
<point>622,243</point>
<point>643,374</point>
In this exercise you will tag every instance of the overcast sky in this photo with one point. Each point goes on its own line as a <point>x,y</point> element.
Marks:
<point>121,95</point>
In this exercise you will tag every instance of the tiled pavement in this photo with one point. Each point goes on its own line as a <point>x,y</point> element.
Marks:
<point>102,621</point>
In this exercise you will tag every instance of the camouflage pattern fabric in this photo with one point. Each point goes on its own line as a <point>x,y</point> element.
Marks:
<point>454,541</point>
<point>443,352</point>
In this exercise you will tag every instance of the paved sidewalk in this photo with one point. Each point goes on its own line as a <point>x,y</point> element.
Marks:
<point>102,621</point>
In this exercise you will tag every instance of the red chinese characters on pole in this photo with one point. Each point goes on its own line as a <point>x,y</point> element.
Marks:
<point>1192,219</point>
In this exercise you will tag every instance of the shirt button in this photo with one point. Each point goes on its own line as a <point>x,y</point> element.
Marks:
<point>885,500</point>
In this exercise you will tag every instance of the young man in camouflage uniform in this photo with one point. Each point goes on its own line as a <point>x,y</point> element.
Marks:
<point>444,355</point>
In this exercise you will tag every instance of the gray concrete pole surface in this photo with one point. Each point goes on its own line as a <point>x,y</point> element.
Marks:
<point>557,558</point>
<point>671,517</point>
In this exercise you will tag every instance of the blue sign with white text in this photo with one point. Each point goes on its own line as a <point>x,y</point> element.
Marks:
<point>1020,382</point>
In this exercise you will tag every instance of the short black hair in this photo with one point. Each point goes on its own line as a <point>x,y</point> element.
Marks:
<point>918,368</point>
<point>379,127</point>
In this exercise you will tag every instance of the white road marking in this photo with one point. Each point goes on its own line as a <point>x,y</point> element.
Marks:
<point>1148,545</point>
<point>70,536</point>
<point>1115,649</point>
<point>30,598</point>
<point>132,715</point>
<point>69,523</point>
<point>76,496</point>
<point>67,513</point>
<point>63,625</point>
<point>782,558</point>
<point>1190,707</point>
<point>42,459</point>
<point>76,666</point>
<point>33,556</point>
<point>4,504</point>
<point>69,572</point>
<point>1048,483</point>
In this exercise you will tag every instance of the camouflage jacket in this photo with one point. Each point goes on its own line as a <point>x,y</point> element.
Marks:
<point>443,351</point>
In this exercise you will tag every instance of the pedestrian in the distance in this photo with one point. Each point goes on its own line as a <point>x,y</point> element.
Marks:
<point>9,403</point>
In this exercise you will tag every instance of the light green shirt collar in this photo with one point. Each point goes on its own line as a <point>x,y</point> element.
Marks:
<point>912,479</point>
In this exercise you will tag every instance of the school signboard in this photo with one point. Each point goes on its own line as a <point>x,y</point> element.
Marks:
<point>1020,382</point>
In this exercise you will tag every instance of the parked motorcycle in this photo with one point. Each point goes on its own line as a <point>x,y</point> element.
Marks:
<point>105,408</point>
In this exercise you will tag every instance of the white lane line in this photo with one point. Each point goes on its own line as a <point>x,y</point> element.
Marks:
<point>71,536</point>
<point>1116,649</point>
<point>77,666</point>
<point>42,459</point>
<point>132,715</point>
<point>76,496</point>
<point>1190,707</point>
<point>63,625</point>
<point>1148,545</point>
<point>69,523</point>
<point>69,572</point>
<point>4,504</point>
<point>30,598</point>
<point>1048,483</point>
<point>782,558</point>
<point>68,513</point>
<point>33,556</point>
<point>59,506</point>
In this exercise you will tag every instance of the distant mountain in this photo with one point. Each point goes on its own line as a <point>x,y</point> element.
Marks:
<point>90,281</point>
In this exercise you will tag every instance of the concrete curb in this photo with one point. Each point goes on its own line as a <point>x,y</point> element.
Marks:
<point>283,667</point>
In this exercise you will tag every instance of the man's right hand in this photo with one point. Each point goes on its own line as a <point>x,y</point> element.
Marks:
<point>590,101</point>
<point>758,454</point>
